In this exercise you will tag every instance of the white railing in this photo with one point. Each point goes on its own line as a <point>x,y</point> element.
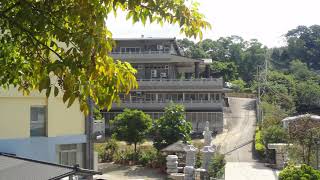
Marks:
<point>211,83</point>
<point>143,52</point>
<point>182,80</point>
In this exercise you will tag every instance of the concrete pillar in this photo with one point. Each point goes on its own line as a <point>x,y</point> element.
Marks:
<point>172,164</point>
<point>183,97</point>
<point>190,155</point>
<point>207,134</point>
<point>188,173</point>
<point>190,162</point>
<point>196,70</point>
<point>157,97</point>
<point>207,156</point>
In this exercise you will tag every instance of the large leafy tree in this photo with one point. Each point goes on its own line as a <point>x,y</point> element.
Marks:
<point>304,44</point>
<point>69,40</point>
<point>132,126</point>
<point>171,127</point>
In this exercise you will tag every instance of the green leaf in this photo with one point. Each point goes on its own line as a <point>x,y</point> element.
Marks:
<point>71,100</point>
<point>56,91</point>
<point>48,91</point>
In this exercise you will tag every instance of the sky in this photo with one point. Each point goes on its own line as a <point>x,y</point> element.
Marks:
<point>265,20</point>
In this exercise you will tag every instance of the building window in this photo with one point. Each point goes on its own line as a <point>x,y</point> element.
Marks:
<point>130,50</point>
<point>217,97</point>
<point>38,120</point>
<point>153,73</point>
<point>70,154</point>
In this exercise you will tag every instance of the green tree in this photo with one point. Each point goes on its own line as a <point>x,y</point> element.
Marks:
<point>70,41</point>
<point>303,132</point>
<point>308,95</point>
<point>132,126</point>
<point>304,44</point>
<point>301,71</point>
<point>238,85</point>
<point>217,166</point>
<point>228,70</point>
<point>171,127</point>
<point>253,56</point>
<point>303,172</point>
<point>274,134</point>
<point>280,90</point>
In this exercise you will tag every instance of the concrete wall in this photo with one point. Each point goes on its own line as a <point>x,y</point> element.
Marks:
<point>64,125</point>
<point>38,148</point>
<point>15,115</point>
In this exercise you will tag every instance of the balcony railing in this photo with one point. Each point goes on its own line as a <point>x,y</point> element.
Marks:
<point>196,105</point>
<point>143,52</point>
<point>209,83</point>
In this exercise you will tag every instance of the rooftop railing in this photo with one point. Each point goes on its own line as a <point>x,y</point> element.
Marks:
<point>143,52</point>
<point>210,83</point>
<point>182,80</point>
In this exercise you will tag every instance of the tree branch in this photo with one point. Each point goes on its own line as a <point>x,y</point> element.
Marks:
<point>30,34</point>
<point>11,7</point>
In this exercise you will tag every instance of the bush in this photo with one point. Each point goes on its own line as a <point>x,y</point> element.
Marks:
<point>259,146</point>
<point>111,148</point>
<point>125,156</point>
<point>148,156</point>
<point>100,149</point>
<point>217,165</point>
<point>274,134</point>
<point>238,85</point>
<point>296,173</point>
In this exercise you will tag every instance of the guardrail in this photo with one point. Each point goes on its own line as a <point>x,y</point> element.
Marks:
<point>143,52</point>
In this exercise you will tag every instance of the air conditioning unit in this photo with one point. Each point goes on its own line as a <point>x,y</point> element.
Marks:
<point>153,73</point>
<point>163,75</point>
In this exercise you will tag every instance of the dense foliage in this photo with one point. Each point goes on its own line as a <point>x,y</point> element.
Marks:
<point>258,143</point>
<point>70,41</point>
<point>217,166</point>
<point>171,127</point>
<point>299,173</point>
<point>131,126</point>
<point>290,80</point>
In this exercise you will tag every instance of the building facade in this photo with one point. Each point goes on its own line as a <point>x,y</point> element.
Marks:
<point>41,128</point>
<point>165,76</point>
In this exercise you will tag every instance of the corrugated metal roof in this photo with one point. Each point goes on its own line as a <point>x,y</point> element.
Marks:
<point>16,168</point>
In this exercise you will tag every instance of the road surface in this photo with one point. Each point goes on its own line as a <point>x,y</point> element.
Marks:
<point>236,143</point>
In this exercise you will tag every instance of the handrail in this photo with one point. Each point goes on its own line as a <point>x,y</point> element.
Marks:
<point>142,52</point>
<point>169,101</point>
<point>178,80</point>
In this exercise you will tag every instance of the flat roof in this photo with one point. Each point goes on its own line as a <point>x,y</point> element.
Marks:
<point>17,168</point>
<point>145,38</point>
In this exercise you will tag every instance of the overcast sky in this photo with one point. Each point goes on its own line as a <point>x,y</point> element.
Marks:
<point>265,20</point>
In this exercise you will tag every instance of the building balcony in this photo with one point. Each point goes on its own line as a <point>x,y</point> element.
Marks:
<point>210,84</point>
<point>189,105</point>
<point>140,54</point>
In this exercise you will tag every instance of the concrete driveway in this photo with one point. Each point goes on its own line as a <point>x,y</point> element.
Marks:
<point>120,172</point>
<point>236,142</point>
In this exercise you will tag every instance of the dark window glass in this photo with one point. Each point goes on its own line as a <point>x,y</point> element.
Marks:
<point>38,121</point>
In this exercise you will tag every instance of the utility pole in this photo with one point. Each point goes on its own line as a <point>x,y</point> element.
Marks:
<point>89,132</point>
<point>259,89</point>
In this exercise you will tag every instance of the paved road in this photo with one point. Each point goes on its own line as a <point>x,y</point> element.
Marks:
<point>120,172</point>
<point>240,118</point>
<point>236,142</point>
